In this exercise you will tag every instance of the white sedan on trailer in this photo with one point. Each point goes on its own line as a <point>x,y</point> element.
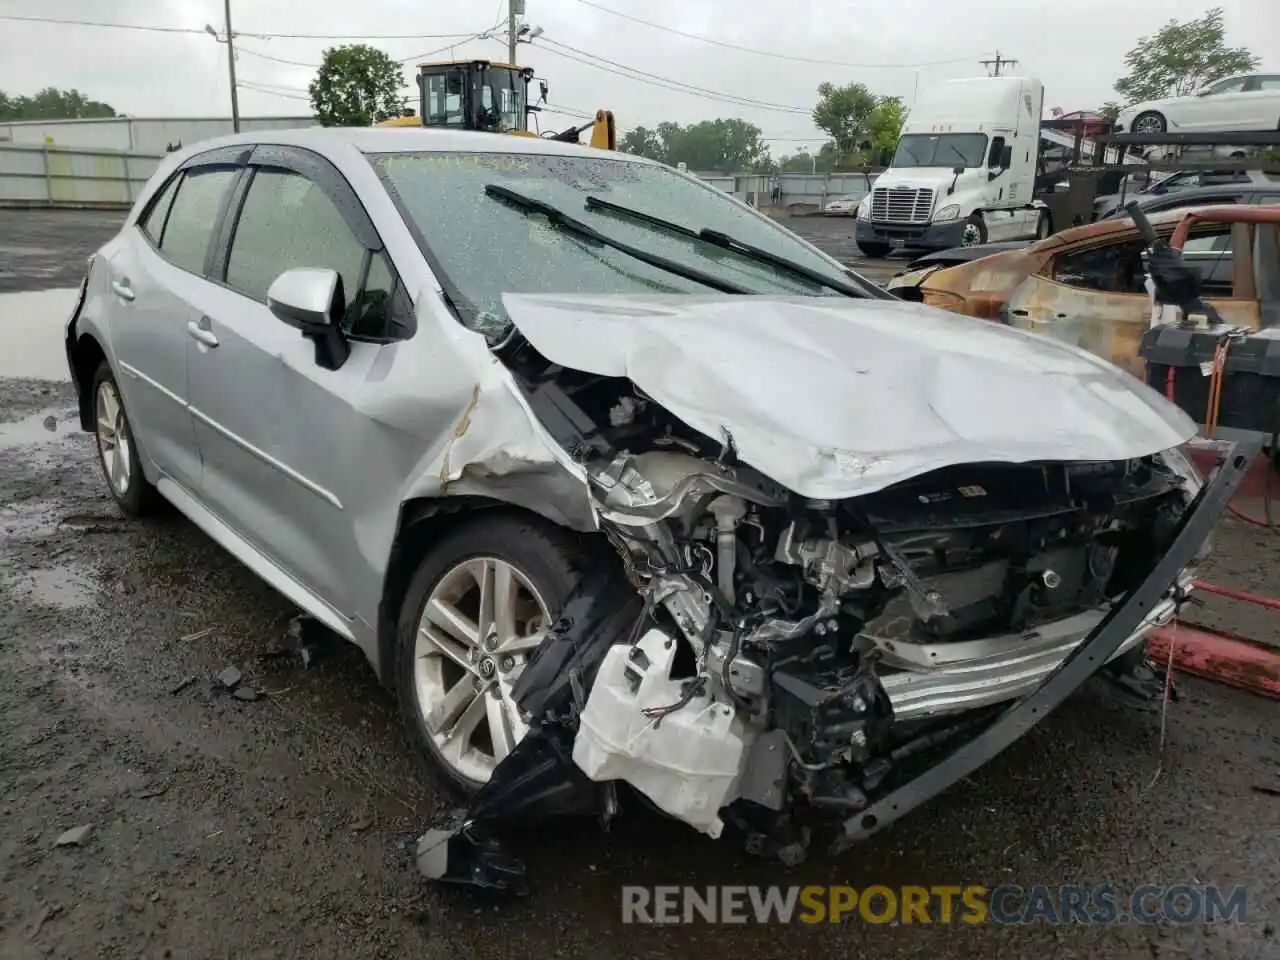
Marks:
<point>1242,102</point>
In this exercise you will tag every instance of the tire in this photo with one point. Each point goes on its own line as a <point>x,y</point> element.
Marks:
<point>117,449</point>
<point>975,231</point>
<point>1044,226</point>
<point>1150,122</point>
<point>874,251</point>
<point>544,558</point>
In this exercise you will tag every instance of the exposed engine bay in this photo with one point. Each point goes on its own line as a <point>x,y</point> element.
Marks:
<point>779,662</point>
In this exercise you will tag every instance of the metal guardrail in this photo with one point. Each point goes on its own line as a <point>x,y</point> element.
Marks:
<point>54,176</point>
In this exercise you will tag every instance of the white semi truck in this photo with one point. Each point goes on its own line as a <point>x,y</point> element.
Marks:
<point>964,171</point>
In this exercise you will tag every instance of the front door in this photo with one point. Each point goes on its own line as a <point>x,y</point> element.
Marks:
<point>281,436</point>
<point>1096,298</point>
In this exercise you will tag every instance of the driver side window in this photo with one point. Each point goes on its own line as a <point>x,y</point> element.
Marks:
<point>289,221</point>
<point>1113,268</point>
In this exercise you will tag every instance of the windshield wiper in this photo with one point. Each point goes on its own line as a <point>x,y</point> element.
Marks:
<point>561,219</point>
<point>726,242</point>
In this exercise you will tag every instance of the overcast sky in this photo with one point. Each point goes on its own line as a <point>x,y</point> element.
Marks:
<point>1076,48</point>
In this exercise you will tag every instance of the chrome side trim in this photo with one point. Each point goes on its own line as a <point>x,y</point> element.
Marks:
<point>266,458</point>
<point>253,558</point>
<point>137,374</point>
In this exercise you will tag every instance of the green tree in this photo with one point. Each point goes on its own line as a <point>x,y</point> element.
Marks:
<point>643,142</point>
<point>1180,58</point>
<point>356,86</point>
<point>884,127</point>
<point>724,146</point>
<point>1110,110</point>
<point>844,113</point>
<point>53,104</point>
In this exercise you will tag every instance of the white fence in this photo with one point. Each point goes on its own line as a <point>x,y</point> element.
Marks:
<point>50,176</point>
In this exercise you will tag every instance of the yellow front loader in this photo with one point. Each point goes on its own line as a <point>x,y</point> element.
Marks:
<point>491,97</point>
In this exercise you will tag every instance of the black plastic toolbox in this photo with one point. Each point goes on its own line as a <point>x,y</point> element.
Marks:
<point>1250,397</point>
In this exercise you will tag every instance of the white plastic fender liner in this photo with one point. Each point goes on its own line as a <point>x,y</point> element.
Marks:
<point>687,762</point>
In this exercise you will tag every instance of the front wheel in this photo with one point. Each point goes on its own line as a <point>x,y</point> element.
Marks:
<point>1043,225</point>
<point>1150,122</point>
<point>872,250</point>
<point>974,233</point>
<point>117,450</point>
<point>474,612</point>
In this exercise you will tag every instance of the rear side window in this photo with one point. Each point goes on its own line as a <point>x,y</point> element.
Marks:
<point>193,217</point>
<point>152,222</point>
<point>288,221</point>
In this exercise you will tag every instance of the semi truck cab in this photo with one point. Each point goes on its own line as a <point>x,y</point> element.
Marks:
<point>964,171</point>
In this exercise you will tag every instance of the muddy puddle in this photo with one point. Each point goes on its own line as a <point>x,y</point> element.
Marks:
<point>44,426</point>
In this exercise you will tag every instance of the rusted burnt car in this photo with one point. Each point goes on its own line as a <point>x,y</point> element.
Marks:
<point>1086,285</point>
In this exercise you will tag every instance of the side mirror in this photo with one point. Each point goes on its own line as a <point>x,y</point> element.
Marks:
<point>958,169</point>
<point>311,299</point>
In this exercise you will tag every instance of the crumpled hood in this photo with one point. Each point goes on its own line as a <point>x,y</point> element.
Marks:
<point>835,397</point>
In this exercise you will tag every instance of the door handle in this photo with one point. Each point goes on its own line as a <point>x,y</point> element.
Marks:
<point>201,332</point>
<point>122,289</point>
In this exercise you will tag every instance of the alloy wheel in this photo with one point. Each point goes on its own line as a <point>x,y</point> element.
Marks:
<point>971,236</point>
<point>478,628</point>
<point>115,444</point>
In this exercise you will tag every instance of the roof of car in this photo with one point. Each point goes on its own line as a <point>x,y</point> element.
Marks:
<point>411,140</point>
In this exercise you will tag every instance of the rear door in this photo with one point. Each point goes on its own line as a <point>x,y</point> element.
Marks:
<point>1261,100</point>
<point>281,437</point>
<point>154,273</point>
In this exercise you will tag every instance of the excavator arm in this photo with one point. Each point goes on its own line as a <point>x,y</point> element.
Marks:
<point>604,135</point>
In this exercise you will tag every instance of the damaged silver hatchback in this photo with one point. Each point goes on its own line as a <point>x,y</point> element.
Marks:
<point>622,487</point>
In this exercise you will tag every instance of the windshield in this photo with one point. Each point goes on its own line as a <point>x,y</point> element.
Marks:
<point>485,247</point>
<point>941,150</point>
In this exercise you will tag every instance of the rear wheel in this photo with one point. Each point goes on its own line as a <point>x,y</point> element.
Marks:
<point>117,451</point>
<point>475,611</point>
<point>874,251</point>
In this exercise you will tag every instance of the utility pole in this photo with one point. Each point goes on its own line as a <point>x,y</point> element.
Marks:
<point>231,68</point>
<point>513,7</point>
<point>993,66</point>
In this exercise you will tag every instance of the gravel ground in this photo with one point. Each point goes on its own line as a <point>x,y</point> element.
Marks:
<point>221,828</point>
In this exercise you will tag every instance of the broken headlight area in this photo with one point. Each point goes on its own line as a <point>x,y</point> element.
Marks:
<point>778,663</point>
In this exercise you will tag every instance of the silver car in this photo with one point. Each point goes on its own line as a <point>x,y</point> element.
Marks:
<point>437,388</point>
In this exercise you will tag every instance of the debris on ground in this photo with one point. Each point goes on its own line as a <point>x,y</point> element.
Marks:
<point>360,825</point>
<point>182,685</point>
<point>247,694</point>
<point>44,912</point>
<point>198,635</point>
<point>310,638</point>
<point>228,679</point>
<point>73,837</point>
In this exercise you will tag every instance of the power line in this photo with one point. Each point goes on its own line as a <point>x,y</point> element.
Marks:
<point>273,93</point>
<point>666,83</point>
<point>264,56</point>
<point>101,23</point>
<point>482,35</point>
<point>770,53</point>
<point>257,35</point>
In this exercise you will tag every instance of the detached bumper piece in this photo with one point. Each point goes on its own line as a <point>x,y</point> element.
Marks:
<point>539,779</point>
<point>1109,636</point>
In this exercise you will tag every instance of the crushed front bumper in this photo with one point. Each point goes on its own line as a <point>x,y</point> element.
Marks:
<point>1105,641</point>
